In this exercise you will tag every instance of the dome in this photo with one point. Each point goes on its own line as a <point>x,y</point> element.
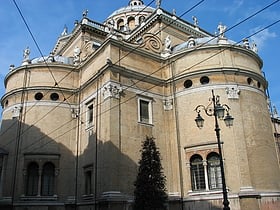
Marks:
<point>127,18</point>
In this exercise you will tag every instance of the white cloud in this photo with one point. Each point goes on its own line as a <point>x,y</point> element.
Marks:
<point>235,6</point>
<point>263,37</point>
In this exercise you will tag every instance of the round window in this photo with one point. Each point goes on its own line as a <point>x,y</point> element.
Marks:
<point>54,96</point>
<point>204,80</point>
<point>38,96</point>
<point>188,83</point>
<point>250,81</point>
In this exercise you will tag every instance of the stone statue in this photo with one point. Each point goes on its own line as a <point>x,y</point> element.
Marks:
<point>254,47</point>
<point>158,3</point>
<point>221,28</point>
<point>191,42</point>
<point>246,43</point>
<point>77,53</point>
<point>85,13</point>
<point>167,44</point>
<point>195,21</point>
<point>26,54</point>
<point>65,31</point>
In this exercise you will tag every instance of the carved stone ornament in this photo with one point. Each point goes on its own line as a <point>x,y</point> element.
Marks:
<point>151,42</point>
<point>86,49</point>
<point>168,104</point>
<point>16,111</point>
<point>111,90</point>
<point>233,92</point>
<point>76,55</point>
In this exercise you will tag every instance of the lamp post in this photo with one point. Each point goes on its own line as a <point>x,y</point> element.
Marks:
<point>217,110</point>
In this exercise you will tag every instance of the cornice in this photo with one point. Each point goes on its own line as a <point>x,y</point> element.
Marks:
<point>235,71</point>
<point>241,49</point>
<point>62,67</point>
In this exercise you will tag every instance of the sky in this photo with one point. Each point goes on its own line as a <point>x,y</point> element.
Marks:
<point>46,20</point>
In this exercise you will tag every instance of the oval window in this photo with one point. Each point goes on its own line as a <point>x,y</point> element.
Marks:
<point>188,83</point>
<point>54,96</point>
<point>204,80</point>
<point>38,96</point>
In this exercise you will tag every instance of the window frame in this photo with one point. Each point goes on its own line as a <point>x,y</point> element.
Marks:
<point>90,114</point>
<point>32,179</point>
<point>149,112</point>
<point>88,180</point>
<point>214,172</point>
<point>197,173</point>
<point>48,176</point>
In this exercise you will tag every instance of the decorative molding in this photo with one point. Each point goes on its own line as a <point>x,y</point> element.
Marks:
<point>168,104</point>
<point>233,92</point>
<point>111,90</point>
<point>16,110</point>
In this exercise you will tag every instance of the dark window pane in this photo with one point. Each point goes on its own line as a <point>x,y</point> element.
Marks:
<point>48,179</point>
<point>32,179</point>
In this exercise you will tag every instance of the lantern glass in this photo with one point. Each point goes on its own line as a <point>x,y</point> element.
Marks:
<point>220,111</point>
<point>199,121</point>
<point>228,120</point>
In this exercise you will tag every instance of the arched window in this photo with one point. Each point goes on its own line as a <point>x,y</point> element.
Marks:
<point>32,179</point>
<point>120,24</point>
<point>214,171</point>
<point>197,173</point>
<point>47,186</point>
<point>141,19</point>
<point>131,23</point>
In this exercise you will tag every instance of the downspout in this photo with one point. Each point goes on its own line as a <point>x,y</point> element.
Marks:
<point>177,136</point>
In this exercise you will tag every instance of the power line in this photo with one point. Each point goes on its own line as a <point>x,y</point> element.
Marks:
<point>200,45</point>
<point>56,83</point>
<point>35,142</point>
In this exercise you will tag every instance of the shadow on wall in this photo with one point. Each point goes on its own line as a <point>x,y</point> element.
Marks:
<point>32,146</point>
<point>113,170</point>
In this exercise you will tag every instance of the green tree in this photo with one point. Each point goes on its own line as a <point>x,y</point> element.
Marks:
<point>150,191</point>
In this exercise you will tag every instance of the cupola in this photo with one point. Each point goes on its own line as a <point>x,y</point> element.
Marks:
<point>127,18</point>
<point>135,2</point>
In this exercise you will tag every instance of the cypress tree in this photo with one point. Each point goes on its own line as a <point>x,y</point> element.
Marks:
<point>150,191</point>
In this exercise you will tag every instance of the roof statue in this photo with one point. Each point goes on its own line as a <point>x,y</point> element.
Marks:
<point>158,3</point>
<point>222,29</point>
<point>195,21</point>
<point>85,13</point>
<point>26,53</point>
<point>65,31</point>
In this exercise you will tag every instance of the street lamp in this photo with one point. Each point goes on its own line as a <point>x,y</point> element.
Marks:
<point>218,111</point>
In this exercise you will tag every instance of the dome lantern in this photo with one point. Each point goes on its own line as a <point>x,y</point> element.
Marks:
<point>135,3</point>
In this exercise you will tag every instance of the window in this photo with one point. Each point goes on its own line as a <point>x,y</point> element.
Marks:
<point>188,83</point>
<point>54,96</point>
<point>197,173</point>
<point>214,171</point>
<point>120,25</point>
<point>88,182</point>
<point>145,111</point>
<point>204,80</point>
<point>32,179</point>
<point>88,173</point>
<point>89,114</point>
<point>38,96</point>
<point>47,185</point>
<point>40,178</point>
<point>205,175</point>
<point>131,23</point>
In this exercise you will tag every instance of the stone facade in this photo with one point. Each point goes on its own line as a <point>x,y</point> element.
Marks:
<point>73,122</point>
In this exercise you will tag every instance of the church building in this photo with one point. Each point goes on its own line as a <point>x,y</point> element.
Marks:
<point>73,122</point>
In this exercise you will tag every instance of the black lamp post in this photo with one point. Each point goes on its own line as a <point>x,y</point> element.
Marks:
<point>218,111</point>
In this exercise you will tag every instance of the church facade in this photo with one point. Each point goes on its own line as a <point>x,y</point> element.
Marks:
<point>73,121</point>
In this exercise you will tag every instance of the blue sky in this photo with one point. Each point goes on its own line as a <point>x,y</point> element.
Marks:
<point>46,20</point>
